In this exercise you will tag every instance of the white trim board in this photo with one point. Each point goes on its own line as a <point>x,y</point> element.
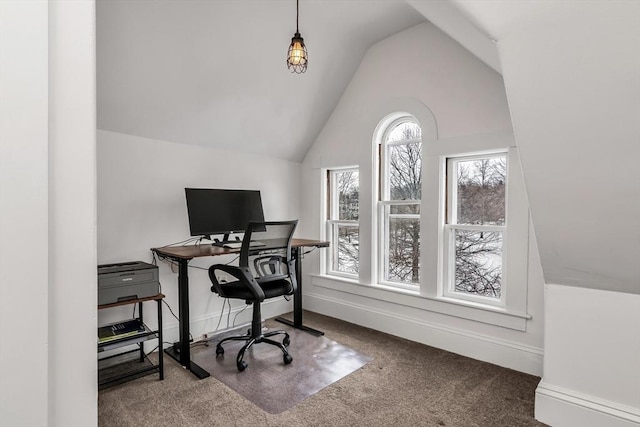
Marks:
<point>504,353</point>
<point>462,309</point>
<point>561,407</point>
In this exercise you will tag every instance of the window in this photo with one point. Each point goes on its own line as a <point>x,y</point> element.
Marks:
<point>475,227</point>
<point>342,223</point>
<point>399,203</point>
<point>444,223</point>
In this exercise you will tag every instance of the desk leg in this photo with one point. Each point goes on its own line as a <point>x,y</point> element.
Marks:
<point>160,352</point>
<point>297,299</point>
<point>181,351</point>
<point>141,321</point>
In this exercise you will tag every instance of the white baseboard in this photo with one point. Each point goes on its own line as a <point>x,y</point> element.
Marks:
<point>481,347</point>
<point>560,407</point>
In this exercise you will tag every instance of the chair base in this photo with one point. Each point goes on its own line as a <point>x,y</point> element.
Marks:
<point>250,341</point>
<point>255,336</point>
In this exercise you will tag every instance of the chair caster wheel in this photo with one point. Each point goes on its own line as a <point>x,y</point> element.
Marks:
<point>287,359</point>
<point>242,365</point>
<point>286,341</point>
<point>219,350</point>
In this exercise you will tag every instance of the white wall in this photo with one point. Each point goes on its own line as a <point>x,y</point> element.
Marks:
<point>421,71</point>
<point>571,73</point>
<point>23,213</point>
<point>591,360</point>
<point>72,214</point>
<point>141,204</point>
<point>47,214</point>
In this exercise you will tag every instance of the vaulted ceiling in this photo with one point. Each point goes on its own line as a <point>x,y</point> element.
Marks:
<point>213,72</point>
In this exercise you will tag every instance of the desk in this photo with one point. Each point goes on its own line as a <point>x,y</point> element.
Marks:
<point>181,351</point>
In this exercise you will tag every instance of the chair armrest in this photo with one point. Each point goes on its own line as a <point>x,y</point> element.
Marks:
<point>242,274</point>
<point>231,270</point>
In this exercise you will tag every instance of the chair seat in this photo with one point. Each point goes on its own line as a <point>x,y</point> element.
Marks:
<point>271,289</point>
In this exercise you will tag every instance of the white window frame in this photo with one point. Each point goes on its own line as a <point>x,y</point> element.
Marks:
<point>385,203</point>
<point>430,297</point>
<point>333,225</point>
<point>451,226</point>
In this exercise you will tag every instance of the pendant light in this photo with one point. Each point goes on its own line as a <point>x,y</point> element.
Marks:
<point>297,55</point>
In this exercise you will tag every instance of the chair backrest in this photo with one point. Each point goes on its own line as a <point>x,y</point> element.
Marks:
<point>266,250</point>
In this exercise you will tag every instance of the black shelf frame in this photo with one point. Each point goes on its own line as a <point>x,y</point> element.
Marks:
<point>131,368</point>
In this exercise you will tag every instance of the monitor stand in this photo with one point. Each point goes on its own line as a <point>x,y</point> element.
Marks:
<point>224,241</point>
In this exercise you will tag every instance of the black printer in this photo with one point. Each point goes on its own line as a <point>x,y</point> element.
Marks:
<point>127,281</point>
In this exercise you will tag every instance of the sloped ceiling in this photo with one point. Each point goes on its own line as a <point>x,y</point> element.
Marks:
<point>572,76</point>
<point>214,72</point>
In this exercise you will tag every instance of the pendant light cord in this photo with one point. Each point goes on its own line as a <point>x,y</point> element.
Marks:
<point>297,14</point>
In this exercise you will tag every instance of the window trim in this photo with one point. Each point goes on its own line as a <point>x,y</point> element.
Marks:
<point>382,191</point>
<point>517,239</point>
<point>450,225</point>
<point>434,151</point>
<point>332,225</point>
<point>483,313</point>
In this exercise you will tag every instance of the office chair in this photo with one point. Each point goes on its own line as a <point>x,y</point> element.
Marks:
<point>266,270</point>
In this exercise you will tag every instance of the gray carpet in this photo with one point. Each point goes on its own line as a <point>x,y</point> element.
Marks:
<point>270,384</point>
<point>406,384</point>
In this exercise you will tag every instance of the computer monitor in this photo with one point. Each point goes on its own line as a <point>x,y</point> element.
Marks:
<point>216,211</point>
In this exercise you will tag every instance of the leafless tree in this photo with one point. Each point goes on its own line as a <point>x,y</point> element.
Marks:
<point>478,269</point>
<point>348,236</point>
<point>348,195</point>
<point>405,183</point>
<point>481,201</point>
<point>481,190</point>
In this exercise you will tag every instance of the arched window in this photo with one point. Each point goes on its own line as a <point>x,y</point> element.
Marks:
<point>400,192</point>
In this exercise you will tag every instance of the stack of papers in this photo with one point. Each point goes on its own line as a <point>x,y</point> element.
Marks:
<point>116,331</point>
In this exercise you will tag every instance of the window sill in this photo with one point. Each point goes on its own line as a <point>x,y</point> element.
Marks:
<point>412,298</point>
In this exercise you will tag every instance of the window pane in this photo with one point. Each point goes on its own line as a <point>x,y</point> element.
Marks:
<point>481,191</point>
<point>412,209</point>
<point>403,250</point>
<point>401,179</point>
<point>404,131</point>
<point>348,188</point>
<point>478,265</point>
<point>348,244</point>
<point>405,171</point>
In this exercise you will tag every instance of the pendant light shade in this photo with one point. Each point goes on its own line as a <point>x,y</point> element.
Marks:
<point>297,56</point>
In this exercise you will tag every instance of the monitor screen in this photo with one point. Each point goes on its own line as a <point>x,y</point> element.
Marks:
<point>215,211</point>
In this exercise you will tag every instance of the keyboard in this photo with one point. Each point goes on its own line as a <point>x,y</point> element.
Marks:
<point>238,245</point>
<point>232,245</point>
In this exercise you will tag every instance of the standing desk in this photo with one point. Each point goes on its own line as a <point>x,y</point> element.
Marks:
<point>181,351</point>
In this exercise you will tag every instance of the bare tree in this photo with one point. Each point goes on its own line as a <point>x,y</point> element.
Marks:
<point>481,191</point>
<point>405,183</point>
<point>478,269</point>
<point>481,201</point>
<point>348,188</point>
<point>348,195</point>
